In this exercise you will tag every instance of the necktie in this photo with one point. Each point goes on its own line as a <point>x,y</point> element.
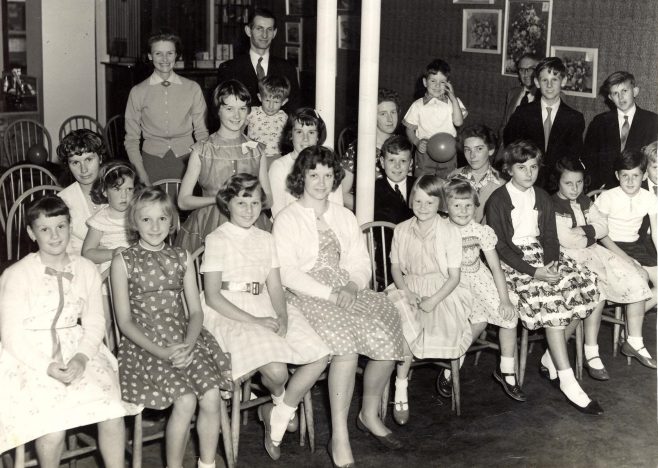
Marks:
<point>625,128</point>
<point>166,83</point>
<point>60,307</point>
<point>397,190</point>
<point>524,99</point>
<point>260,71</point>
<point>547,127</point>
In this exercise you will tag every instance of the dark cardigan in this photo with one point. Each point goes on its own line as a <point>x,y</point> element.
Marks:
<point>499,217</point>
<point>562,207</point>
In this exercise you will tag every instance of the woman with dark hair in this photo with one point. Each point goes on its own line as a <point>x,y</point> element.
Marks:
<point>326,268</point>
<point>81,152</point>
<point>168,111</point>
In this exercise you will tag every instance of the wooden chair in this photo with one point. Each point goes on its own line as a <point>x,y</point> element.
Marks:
<point>18,179</point>
<point>79,122</point>
<point>346,137</point>
<point>21,135</point>
<point>16,233</point>
<point>114,135</point>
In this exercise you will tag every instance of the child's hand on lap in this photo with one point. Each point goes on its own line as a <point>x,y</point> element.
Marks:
<point>548,273</point>
<point>183,356</point>
<point>283,327</point>
<point>427,304</point>
<point>268,322</point>
<point>69,372</point>
<point>507,310</point>
<point>414,299</point>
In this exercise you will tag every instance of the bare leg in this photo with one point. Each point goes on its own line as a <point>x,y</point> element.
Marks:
<point>477,329</point>
<point>376,375</point>
<point>49,449</point>
<point>507,339</point>
<point>207,425</point>
<point>302,380</point>
<point>112,442</point>
<point>178,429</point>
<point>593,323</point>
<point>341,387</point>
<point>274,376</point>
<point>402,368</point>
<point>568,383</point>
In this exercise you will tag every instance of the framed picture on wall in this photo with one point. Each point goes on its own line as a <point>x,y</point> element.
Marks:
<point>474,2</point>
<point>294,56</point>
<point>300,8</point>
<point>481,31</point>
<point>349,32</point>
<point>581,66</point>
<point>294,33</point>
<point>527,30</point>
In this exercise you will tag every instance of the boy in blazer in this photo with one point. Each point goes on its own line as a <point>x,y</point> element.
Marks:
<point>608,134</point>
<point>548,122</point>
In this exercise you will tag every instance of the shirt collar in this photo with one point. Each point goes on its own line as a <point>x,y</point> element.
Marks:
<point>428,98</point>
<point>401,185</point>
<point>630,113</point>
<point>156,79</point>
<point>555,106</point>
<point>254,58</point>
<point>491,176</point>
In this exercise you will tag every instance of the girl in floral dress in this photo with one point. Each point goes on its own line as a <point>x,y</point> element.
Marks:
<point>164,357</point>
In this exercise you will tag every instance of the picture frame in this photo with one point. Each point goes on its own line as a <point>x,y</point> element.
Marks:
<point>527,30</point>
<point>294,33</point>
<point>300,8</point>
<point>349,32</point>
<point>582,69</point>
<point>348,5</point>
<point>473,2</point>
<point>294,56</point>
<point>481,31</point>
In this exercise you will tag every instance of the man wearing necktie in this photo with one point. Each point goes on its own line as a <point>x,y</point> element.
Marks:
<point>259,62</point>
<point>625,126</point>
<point>524,94</point>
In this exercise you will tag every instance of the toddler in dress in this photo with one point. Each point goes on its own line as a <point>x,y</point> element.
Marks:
<point>166,358</point>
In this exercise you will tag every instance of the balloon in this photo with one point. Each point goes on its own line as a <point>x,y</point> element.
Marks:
<point>441,147</point>
<point>37,154</point>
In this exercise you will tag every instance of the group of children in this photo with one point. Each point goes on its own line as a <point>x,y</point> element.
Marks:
<point>548,260</point>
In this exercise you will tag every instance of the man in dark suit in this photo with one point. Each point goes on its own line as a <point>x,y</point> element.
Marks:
<point>626,126</point>
<point>527,92</point>
<point>259,63</point>
<point>548,122</point>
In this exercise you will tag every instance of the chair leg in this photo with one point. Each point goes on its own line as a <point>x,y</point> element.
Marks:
<point>310,422</point>
<point>226,433</point>
<point>302,423</point>
<point>523,357</point>
<point>19,462</point>
<point>137,441</point>
<point>616,331</point>
<point>73,444</point>
<point>483,336</point>
<point>579,350</point>
<point>456,399</point>
<point>383,410</point>
<point>246,396</point>
<point>235,421</point>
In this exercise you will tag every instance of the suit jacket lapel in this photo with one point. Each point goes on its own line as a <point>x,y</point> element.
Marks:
<point>612,130</point>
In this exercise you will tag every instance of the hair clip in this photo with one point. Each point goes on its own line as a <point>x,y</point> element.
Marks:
<point>116,168</point>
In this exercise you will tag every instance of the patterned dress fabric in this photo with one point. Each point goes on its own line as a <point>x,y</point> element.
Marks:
<point>32,403</point>
<point>155,285</point>
<point>115,232</point>
<point>375,334</point>
<point>246,256</point>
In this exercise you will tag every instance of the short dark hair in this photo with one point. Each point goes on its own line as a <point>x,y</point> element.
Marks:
<point>148,195</point>
<point>112,174</point>
<point>616,78</point>
<point>48,205</point>
<point>436,66</point>
<point>230,88</point>
<point>309,159</point>
<point>166,36</point>
<point>563,165</point>
<point>630,159</point>
<point>519,152</point>
<point>79,142</point>
<point>274,85</point>
<point>394,144</point>
<point>263,13</point>
<point>477,131</point>
<point>306,116</point>
<point>552,64</point>
<point>385,95</point>
<point>238,184</point>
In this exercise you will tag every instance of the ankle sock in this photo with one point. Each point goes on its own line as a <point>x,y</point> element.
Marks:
<point>277,400</point>
<point>570,387</point>
<point>401,390</point>
<point>637,342</point>
<point>547,362</point>
<point>201,464</point>
<point>279,418</point>
<point>507,367</point>
<point>593,352</point>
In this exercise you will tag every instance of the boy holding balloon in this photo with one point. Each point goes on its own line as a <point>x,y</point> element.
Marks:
<point>431,122</point>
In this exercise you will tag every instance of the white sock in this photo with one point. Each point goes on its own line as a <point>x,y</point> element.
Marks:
<point>279,418</point>
<point>507,367</point>
<point>593,352</point>
<point>547,362</point>
<point>570,387</point>
<point>277,400</point>
<point>638,344</point>
<point>401,390</point>
<point>200,464</point>
<point>448,372</point>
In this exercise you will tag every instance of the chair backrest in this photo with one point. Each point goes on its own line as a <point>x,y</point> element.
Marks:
<point>594,194</point>
<point>79,122</point>
<point>171,188</point>
<point>20,136</point>
<point>378,240</point>
<point>16,180</point>
<point>17,244</point>
<point>105,277</point>
<point>114,134</point>
<point>346,137</point>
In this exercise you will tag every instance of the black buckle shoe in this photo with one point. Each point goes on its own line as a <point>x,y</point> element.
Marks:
<point>444,385</point>
<point>513,391</point>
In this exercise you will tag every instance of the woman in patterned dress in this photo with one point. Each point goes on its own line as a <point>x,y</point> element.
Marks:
<point>165,358</point>
<point>326,268</point>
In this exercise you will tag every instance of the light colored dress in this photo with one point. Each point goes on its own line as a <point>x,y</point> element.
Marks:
<point>115,232</point>
<point>155,285</point>
<point>80,213</point>
<point>424,259</point>
<point>247,256</point>
<point>476,277</point>
<point>484,187</point>
<point>220,159</point>
<point>32,403</point>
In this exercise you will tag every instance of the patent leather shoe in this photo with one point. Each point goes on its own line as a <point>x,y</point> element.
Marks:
<point>389,440</point>
<point>293,424</point>
<point>444,385</point>
<point>628,350</point>
<point>593,408</point>
<point>264,413</point>
<point>401,412</point>
<point>596,374</point>
<point>331,455</point>
<point>513,391</point>
<point>543,372</point>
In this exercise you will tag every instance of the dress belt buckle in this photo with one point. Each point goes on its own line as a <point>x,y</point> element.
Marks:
<point>255,288</point>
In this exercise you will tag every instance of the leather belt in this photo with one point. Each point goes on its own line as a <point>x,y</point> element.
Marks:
<point>251,288</point>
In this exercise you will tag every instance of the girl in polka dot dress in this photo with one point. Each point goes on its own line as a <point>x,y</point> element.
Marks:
<point>164,357</point>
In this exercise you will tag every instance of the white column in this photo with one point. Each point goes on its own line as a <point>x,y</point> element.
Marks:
<point>368,85</point>
<point>101,56</point>
<point>325,66</point>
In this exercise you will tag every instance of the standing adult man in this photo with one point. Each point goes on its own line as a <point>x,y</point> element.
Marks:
<point>527,92</point>
<point>259,63</point>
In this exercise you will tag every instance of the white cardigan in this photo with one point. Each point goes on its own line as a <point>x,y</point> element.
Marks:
<point>297,242</point>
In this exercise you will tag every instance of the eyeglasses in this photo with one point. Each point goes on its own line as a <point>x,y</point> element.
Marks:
<point>526,70</point>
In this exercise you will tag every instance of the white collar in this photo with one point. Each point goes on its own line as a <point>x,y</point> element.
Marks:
<point>254,56</point>
<point>156,79</point>
<point>401,185</point>
<point>630,113</point>
<point>555,106</point>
